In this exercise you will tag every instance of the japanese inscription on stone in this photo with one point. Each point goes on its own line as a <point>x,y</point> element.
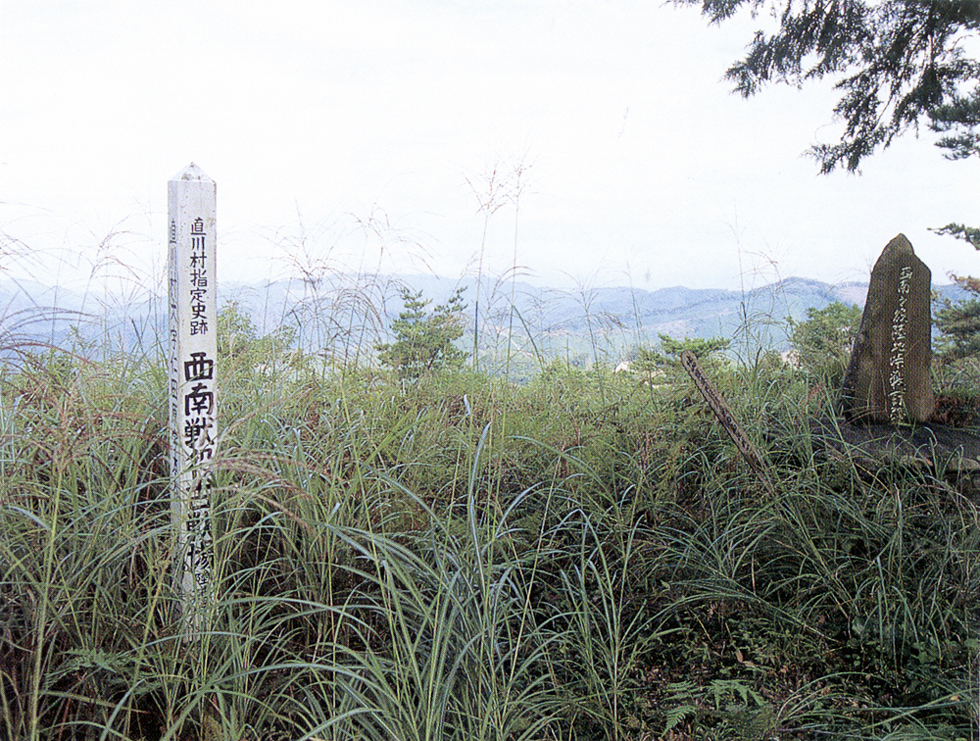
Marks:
<point>888,377</point>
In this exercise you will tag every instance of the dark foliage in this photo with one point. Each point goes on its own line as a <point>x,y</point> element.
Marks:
<point>895,62</point>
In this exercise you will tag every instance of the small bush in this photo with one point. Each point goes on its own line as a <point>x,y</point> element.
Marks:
<point>823,341</point>
<point>424,340</point>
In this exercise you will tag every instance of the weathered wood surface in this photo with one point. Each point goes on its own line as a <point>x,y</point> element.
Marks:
<point>192,372</point>
<point>724,416</point>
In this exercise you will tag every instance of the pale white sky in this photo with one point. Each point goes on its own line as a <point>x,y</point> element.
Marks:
<point>358,134</point>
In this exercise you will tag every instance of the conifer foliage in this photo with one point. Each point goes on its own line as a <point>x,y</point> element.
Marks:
<point>423,339</point>
<point>960,323</point>
<point>895,62</point>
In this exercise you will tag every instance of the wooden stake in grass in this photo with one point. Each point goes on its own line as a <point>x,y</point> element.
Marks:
<point>192,375</point>
<point>724,415</point>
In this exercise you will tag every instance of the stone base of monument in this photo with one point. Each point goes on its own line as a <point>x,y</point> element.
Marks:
<point>949,452</point>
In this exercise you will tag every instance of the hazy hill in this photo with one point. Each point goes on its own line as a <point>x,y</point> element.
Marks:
<point>615,317</point>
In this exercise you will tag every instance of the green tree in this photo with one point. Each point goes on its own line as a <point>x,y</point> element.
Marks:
<point>959,324</point>
<point>423,339</point>
<point>697,346</point>
<point>969,234</point>
<point>823,340</point>
<point>647,361</point>
<point>236,331</point>
<point>240,344</point>
<point>896,62</point>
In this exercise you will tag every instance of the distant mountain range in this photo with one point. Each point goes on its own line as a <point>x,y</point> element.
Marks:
<point>342,307</point>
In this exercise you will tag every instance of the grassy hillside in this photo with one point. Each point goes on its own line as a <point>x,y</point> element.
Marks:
<point>582,557</point>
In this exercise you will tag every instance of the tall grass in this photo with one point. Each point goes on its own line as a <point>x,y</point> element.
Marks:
<point>582,557</point>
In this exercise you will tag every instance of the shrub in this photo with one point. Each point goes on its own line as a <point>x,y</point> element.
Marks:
<point>424,340</point>
<point>823,340</point>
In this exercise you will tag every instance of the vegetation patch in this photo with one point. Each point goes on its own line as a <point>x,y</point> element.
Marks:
<point>443,554</point>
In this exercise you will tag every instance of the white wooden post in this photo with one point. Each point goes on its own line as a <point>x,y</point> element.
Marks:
<point>192,376</point>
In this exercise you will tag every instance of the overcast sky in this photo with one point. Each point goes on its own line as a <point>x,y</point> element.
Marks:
<point>365,134</point>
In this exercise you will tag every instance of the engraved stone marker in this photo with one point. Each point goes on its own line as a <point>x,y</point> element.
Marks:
<point>193,349</point>
<point>887,379</point>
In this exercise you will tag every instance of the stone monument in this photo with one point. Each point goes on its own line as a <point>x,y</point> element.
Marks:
<point>888,377</point>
